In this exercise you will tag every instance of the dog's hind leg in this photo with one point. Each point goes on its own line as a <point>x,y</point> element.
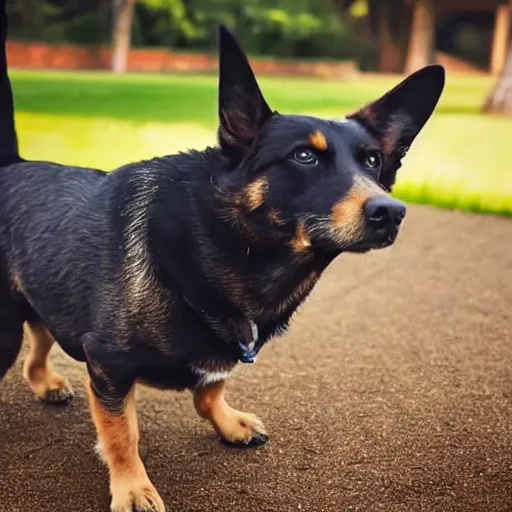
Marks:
<point>235,427</point>
<point>11,337</point>
<point>37,370</point>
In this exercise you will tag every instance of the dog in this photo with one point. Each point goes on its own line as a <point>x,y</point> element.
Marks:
<point>171,271</point>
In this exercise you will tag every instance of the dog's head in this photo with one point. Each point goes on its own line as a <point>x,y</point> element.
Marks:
<point>321,183</point>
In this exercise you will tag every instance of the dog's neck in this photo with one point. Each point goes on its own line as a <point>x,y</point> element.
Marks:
<point>230,268</point>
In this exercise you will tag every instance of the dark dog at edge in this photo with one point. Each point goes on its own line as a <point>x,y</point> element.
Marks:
<point>169,272</point>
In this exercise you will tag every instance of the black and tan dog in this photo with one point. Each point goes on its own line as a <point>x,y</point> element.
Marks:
<point>171,271</point>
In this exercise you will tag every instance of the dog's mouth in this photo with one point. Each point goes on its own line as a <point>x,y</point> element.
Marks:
<point>370,242</point>
<point>358,237</point>
<point>366,246</point>
<point>374,239</point>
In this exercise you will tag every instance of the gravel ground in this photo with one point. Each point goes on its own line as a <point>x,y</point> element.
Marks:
<point>392,392</point>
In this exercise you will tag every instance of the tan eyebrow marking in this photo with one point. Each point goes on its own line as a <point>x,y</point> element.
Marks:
<point>318,140</point>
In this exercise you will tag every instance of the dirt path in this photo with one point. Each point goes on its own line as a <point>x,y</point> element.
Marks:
<point>392,392</point>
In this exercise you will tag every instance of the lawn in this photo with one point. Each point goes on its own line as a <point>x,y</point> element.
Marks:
<point>461,159</point>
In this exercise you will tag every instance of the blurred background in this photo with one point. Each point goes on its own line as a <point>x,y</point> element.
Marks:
<point>102,83</point>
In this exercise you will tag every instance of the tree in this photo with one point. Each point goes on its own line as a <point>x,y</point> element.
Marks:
<point>389,22</point>
<point>392,22</point>
<point>122,34</point>
<point>421,43</point>
<point>499,99</point>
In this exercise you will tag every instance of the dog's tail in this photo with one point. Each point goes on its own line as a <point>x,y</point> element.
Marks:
<point>8,139</point>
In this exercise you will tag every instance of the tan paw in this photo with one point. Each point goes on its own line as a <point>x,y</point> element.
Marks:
<point>242,429</point>
<point>137,496</point>
<point>50,387</point>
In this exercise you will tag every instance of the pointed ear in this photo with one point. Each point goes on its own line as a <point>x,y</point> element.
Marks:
<point>398,116</point>
<point>242,108</point>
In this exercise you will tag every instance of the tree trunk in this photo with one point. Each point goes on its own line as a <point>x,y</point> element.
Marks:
<point>103,9</point>
<point>421,42</point>
<point>390,50</point>
<point>500,37</point>
<point>499,100</point>
<point>122,34</point>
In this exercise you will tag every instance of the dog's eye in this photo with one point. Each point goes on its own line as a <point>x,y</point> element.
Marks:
<point>372,160</point>
<point>305,156</point>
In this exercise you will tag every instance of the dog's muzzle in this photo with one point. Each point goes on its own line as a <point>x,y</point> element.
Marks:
<point>384,213</point>
<point>383,217</point>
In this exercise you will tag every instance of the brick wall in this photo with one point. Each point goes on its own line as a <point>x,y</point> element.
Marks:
<point>35,55</point>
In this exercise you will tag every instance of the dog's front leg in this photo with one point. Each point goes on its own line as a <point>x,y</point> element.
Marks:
<point>115,418</point>
<point>234,426</point>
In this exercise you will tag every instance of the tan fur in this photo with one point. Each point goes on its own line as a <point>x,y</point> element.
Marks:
<point>249,199</point>
<point>236,205</point>
<point>118,436</point>
<point>318,140</point>
<point>255,193</point>
<point>274,216</point>
<point>37,370</point>
<point>233,213</point>
<point>300,242</point>
<point>347,217</point>
<point>234,426</point>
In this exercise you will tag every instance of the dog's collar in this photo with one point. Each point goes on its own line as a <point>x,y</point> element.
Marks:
<point>247,352</point>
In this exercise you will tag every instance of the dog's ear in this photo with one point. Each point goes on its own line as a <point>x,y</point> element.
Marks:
<point>398,116</point>
<point>242,108</point>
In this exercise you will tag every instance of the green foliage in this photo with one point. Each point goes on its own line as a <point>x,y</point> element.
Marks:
<point>302,29</point>
<point>281,28</point>
<point>57,21</point>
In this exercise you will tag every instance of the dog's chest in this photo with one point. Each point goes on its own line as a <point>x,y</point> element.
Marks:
<point>178,377</point>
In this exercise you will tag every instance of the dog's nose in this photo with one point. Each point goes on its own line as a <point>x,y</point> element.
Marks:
<point>383,211</point>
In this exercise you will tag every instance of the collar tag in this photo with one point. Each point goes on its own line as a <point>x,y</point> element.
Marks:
<point>247,352</point>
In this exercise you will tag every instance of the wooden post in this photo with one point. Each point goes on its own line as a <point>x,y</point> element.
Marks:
<point>421,40</point>
<point>501,32</point>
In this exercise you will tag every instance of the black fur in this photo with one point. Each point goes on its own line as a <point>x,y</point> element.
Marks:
<point>167,265</point>
<point>183,224</point>
<point>8,139</point>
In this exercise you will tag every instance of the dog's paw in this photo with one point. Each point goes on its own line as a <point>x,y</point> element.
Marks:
<point>59,396</point>
<point>51,388</point>
<point>135,497</point>
<point>242,430</point>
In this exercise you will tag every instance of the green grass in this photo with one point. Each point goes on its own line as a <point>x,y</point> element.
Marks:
<point>178,98</point>
<point>461,159</point>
